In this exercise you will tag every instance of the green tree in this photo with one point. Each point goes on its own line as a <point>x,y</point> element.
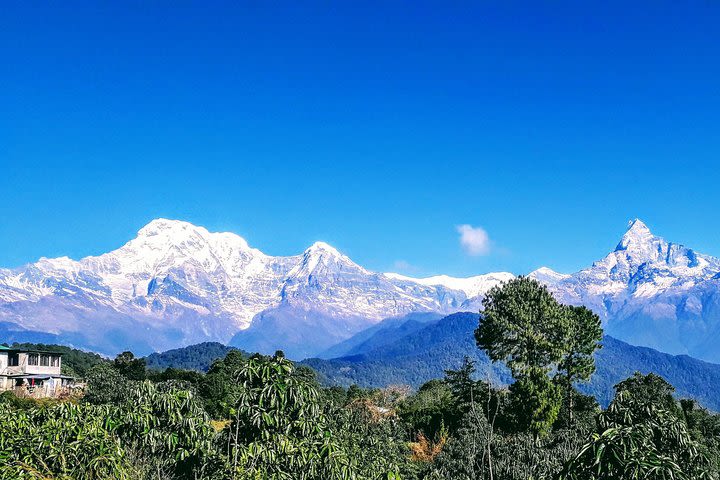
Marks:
<point>130,367</point>
<point>219,388</point>
<point>105,385</point>
<point>278,429</point>
<point>641,437</point>
<point>535,402</point>
<point>524,326</point>
<point>582,338</point>
<point>63,441</point>
<point>169,429</point>
<point>430,409</point>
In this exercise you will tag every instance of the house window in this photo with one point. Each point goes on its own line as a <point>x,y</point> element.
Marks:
<point>33,359</point>
<point>13,360</point>
<point>44,361</point>
<point>54,361</point>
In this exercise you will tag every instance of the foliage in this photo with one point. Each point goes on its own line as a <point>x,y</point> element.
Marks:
<point>479,451</point>
<point>525,327</point>
<point>278,429</point>
<point>430,410</point>
<point>171,425</point>
<point>198,357</point>
<point>63,440</point>
<point>582,339</point>
<point>219,388</point>
<point>372,437</point>
<point>106,385</point>
<point>130,367</point>
<point>641,436</point>
<point>535,402</point>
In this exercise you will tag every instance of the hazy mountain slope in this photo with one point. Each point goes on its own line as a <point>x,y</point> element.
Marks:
<point>427,353</point>
<point>380,334</point>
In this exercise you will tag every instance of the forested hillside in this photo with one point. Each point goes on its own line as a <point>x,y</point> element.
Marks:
<point>411,352</point>
<point>195,357</point>
<point>426,353</point>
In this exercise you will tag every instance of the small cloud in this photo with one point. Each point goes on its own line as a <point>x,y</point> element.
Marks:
<point>474,240</point>
<point>403,266</point>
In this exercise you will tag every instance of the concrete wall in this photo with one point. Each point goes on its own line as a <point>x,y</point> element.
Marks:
<point>40,369</point>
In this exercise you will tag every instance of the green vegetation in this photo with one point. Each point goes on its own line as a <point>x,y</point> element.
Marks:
<point>264,417</point>
<point>195,357</point>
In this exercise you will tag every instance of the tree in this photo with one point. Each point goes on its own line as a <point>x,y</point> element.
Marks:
<point>105,385</point>
<point>646,393</point>
<point>641,436</point>
<point>582,337</point>
<point>524,326</point>
<point>130,367</point>
<point>535,402</point>
<point>169,428</point>
<point>61,440</point>
<point>219,388</point>
<point>278,429</point>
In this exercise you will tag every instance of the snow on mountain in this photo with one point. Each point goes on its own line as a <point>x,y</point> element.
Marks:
<point>471,286</point>
<point>547,276</point>
<point>650,292</point>
<point>177,283</point>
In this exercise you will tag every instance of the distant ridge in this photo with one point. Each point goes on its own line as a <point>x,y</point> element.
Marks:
<point>426,353</point>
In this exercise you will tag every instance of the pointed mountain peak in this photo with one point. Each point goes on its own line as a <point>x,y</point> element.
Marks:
<point>637,226</point>
<point>637,234</point>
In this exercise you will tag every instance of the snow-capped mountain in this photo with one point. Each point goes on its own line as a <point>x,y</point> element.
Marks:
<point>650,292</point>
<point>177,283</point>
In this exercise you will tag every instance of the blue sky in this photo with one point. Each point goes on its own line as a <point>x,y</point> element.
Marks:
<point>381,128</point>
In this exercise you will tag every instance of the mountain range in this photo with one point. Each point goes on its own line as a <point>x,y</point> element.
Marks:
<point>177,284</point>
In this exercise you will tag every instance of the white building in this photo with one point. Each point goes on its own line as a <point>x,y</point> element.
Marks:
<point>32,372</point>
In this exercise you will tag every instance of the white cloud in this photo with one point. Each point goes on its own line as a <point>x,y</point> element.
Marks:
<point>474,240</point>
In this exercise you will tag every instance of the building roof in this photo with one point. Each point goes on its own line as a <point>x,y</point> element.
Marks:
<point>40,376</point>
<point>28,350</point>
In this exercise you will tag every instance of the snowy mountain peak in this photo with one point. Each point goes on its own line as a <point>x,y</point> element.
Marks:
<point>638,235</point>
<point>547,275</point>
<point>321,258</point>
<point>165,233</point>
<point>161,226</point>
<point>322,247</point>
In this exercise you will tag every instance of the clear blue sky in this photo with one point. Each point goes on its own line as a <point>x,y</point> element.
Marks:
<point>377,127</point>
